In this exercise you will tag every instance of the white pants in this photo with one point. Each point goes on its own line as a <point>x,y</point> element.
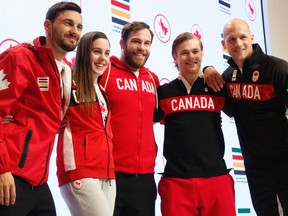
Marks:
<point>90,197</point>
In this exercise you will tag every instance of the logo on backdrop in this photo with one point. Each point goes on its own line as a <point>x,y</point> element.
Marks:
<point>197,31</point>
<point>225,6</point>
<point>7,43</point>
<point>250,9</point>
<point>238,164</point>
<point>70,58</point>
<point>120,11</point>
<point>225,54</point>
<point>243,211</point>
<point>164,81</point>
<point>162,28</point>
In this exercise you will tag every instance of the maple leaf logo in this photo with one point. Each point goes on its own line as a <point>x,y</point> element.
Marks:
<point>4,84</point>
<point>198,34</point>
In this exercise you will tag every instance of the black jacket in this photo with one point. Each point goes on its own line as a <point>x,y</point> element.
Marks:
<point>193,139</point>
<point>260,98</point>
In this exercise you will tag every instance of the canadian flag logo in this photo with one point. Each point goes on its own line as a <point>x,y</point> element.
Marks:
<point>77,184</point>
<point>4,83</point>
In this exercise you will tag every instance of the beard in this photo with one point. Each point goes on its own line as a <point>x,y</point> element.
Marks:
<point>134,63</point>
<point>67,47</point>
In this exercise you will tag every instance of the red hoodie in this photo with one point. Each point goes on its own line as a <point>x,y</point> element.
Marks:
<point>133,101</point>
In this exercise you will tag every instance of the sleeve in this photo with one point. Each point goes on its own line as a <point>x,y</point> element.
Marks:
<point>204,68</point>
<point>280,80</point>
<point>156,80</point>
<point>228,108</point>
<point>159,114</point>
<point>157,111</point>
<point>12,84</point>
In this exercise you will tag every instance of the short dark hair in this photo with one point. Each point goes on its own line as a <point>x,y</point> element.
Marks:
<point>134,26</point>
<point>59,7</point>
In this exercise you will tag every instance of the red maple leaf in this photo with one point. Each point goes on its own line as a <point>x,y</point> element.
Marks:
<point>197,34</point>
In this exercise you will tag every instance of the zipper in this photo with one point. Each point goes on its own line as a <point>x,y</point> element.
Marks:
<point>139,123</point>
<point>56,73</point>
<point>241,83</point>
<point>49,148</point>
<point>108,163</point>
<point>85,147</point>
<point>46,165</point>
<point>25,148</point>
<point>105,130</point>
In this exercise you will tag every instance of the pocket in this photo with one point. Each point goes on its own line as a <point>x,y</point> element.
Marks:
<point>25,149</point>
<point>86,148</point>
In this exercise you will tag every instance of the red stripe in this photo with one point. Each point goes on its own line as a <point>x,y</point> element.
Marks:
<point>254,92</point>
<point>192,103</point>
<point>118,4</point>
<point>237,157</point>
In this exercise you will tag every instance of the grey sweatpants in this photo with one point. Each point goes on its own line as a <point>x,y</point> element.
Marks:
<point>90,197</point>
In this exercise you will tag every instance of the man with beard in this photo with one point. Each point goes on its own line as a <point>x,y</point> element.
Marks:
<point>32,90</point>
<point>131,90</point>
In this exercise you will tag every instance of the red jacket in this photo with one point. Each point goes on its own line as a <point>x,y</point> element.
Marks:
<point>84,148</point>
<point>30,91</point>
<point>133,101</point>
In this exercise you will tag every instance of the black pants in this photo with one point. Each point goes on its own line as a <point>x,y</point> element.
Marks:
<point>136,195</point>
<point>30,201</point>
<point>267,184</point>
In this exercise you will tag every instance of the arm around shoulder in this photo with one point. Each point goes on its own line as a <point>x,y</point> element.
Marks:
<point>213,78</point>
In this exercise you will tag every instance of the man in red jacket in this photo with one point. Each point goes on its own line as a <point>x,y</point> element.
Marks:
<point>131,90</point>
<point>31,91</point>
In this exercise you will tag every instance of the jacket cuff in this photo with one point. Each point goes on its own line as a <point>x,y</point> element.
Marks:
<point>203,70</point>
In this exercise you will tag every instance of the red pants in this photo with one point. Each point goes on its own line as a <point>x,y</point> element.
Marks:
<point>213,196</point>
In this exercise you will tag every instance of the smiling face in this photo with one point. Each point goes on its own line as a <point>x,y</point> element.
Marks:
<point>188,57</point>
<point>136,50</point>
<point>238,41</point>
<point>63,34</point>
<point>100,52</point>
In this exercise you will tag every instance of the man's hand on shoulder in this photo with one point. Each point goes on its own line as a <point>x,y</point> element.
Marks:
<point>213,78</point>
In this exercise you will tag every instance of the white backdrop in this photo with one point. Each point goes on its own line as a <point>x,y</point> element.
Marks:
<point>23,20</point>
